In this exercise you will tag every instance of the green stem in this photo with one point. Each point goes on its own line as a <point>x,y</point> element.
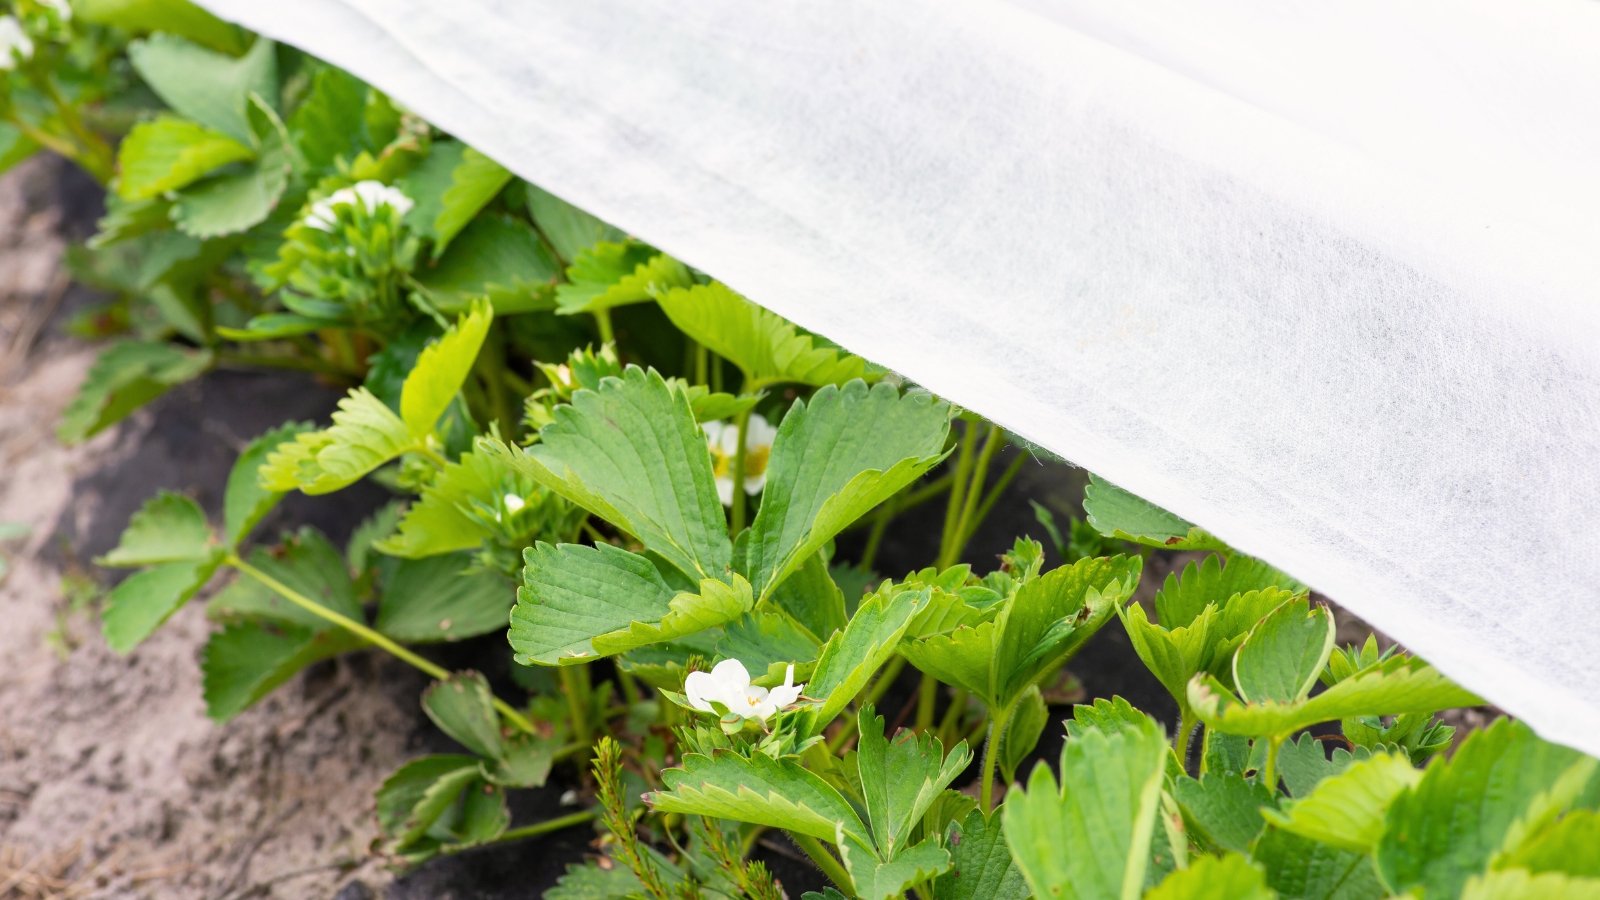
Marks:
<point>965,524</point>
<point>952,715</point>
<point>96,155</point>
<point>958,487</point>
<point>602,320</point>
<point>737,519</point>
<point>1269,769</point>
<point>825,861</point>
<point>989,499</point>
<point>702,359</point>
<point>991,750</point>
<point>545,827</point>
<point>575,686</point>
<point>1185,733</point>
<point>372,637</point>
<point>927,695</point>
<point>296,363</point>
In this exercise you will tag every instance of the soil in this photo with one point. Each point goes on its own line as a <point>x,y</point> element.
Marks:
<point>114,783</point>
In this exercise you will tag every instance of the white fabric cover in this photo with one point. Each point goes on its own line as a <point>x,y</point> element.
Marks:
<point>1321,277</point>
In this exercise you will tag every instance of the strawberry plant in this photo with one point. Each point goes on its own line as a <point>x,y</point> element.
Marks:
<point>655,510</point>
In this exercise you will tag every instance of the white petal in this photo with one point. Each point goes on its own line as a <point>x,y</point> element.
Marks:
<point>760,432</point>
<point>785,696</point>
<point>731,673</point>
<point>725,490</point>
<point>714,430</point>
<point>754,483</point>
<point>698,688</point>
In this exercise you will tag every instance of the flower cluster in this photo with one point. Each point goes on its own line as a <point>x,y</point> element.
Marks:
<point>369,195</point>
<point>723,440</point>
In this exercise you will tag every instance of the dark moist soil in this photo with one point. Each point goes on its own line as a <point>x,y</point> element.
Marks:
<point>112,781</point>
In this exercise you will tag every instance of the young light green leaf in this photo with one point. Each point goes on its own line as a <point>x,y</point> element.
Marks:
<point>125,377</point>
<point>1568,847</point>
<point>572,593</point>
<point>1284,654</point>
<point>1396,686</point>
<point>1229,877</point>
<point>877,878</point>
<point>1224,809</point>
<point>569,229</point>
<point>1117,513</point>
<point>901,778</point>
<point>1462,812</point>
<point>169,527</point>
<point>210,88</point>
<point>981,865</point>
<point>1173,655</point>
<point>167,153</point>
<point>442,598</point>
<point>1347,809</point>
<point>852,655</point>
<point>1051,616</point>
<point>765,347</point>
<point>440,371</point>
<point>1215,581</point>
<point>245,502</point>
<point>717,603</point>
<point>449,516</point>
<point>246,660</point>
<point>1090,837</point>
<point>833,460</point>
<point>237,202</point>
<point>138,606</point>
<point>608,275</point>
<point>632,454</point>
<point>475,181</point>
<point>1518,884</point>
<point>364,435</point>
<point>463,707</point>
<point>777,793</point>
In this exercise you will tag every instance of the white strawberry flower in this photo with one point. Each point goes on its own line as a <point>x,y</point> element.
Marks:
<point>62,8</point>
<point>723,440</point>
<point>370,195</point>
<point>15,45</point>
<point>728,683</point>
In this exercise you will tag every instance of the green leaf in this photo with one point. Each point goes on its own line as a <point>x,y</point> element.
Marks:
<point>138,606</point>
<point>877,879</point>
<point>168,528</point>
<point>307,564</point>
<point>234,203</point>
<point>441,369</point>
<point>210,88</point>
<point>1302,869</point>
<point>1090,837</point>
<point>767,641</point>
<point>569,229</point>
<point>463,707</point>
<point>632,454</point>
<point>608,275</point>
<point>1347,809</point>
<point>321,124</point>
<point>167,153</point>
<point>1568,846</point>
<point>1225,809</point>
<point>1395,686</point>
<point>125,377</point>
<point>475,181</point>
<point>14,146</point>
<point>604,879</point>
<point>851,656</point>
<point>777,793</point>
<point>1463,811</point>
<point>833,460</point>
<point>412,800</point>
<point>246,502</point>
<point>273,326</point>
<point>765,346</point>
<point>247,660</point>
<point>1216,581</point>
<point>449,514</point>
<point>1173,655</point>
<point>1516,884</point>
<point>1117,513</point>
<point>901,778</point>
<point>1284,653</point>
<point>1230,877</point>
<point>572,593</point>
<point>812,600</point>
<point>365,434</point>
<point>982,868</point>
<point>178,17</point>
<point>495,257</point>
<point>1022,731</point>
<point>687,613</point>
<point>442,598</point>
